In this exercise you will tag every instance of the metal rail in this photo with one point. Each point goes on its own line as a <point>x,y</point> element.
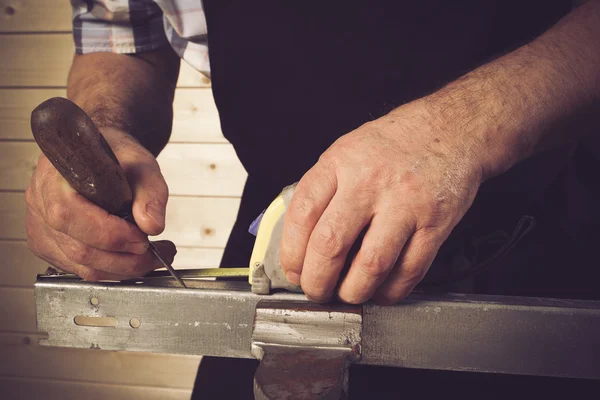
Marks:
<point>514,335</point>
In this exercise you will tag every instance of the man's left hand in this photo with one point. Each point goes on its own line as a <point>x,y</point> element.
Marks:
<point>408,178</point>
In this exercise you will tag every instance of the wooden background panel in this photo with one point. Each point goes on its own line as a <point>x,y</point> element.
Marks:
<point>202,170</point>
<point>99,366</point>
<point>35,60</point>
<point>12,216</point>
<point>197,257</point>
<point>38,60</point>
<point>200,221</point>
<point>189,169</point>
<point>20,265</point>
<point>27,389</point>
<point>195,115</point>
<point>15,110</point>
<point>17,313</point>
<point>35,16</point>
<point>191,221</point>
<point>17,163</point>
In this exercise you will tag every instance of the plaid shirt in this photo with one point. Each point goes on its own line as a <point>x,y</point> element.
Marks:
<point>132,26</point>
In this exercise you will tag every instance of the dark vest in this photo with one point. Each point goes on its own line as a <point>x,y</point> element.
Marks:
<point>290,77</point>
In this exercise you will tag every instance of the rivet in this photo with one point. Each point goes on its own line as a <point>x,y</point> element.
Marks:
<point>213,166</point>
<point>208,231</point>
<point>94,301</point>
<point>134,322</point>
<point>9,10</point>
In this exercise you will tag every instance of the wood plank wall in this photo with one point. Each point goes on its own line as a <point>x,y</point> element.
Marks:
<point>205,180</point>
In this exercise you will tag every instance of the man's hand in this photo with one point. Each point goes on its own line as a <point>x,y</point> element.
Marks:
<point>77,236</point>
<point>405,179</point>
<point>410,176</point>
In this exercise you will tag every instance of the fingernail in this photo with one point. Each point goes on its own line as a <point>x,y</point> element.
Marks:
<point>137,247</point>
<point>156,211</point>
<point>292,277</point>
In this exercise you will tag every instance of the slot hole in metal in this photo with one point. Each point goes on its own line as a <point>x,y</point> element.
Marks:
<point>100,322</point>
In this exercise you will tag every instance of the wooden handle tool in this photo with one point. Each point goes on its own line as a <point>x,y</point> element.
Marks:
<point>77,149</point>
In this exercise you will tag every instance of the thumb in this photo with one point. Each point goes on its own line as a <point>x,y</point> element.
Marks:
<point>150,194</point>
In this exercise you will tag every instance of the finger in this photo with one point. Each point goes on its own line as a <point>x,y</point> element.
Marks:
<point>67,212</point>
<point>150,194</point>
<point>328,246</point>
<point>42,244</point>
<point>43,172</point>
<point>311,197</point>
<point>379,251</point>
<point>125,264</point>
<point>415,260</point>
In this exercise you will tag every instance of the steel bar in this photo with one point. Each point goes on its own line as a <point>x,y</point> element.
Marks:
<point>453,332</point>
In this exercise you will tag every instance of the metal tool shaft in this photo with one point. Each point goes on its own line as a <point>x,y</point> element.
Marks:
<point>167,265</point>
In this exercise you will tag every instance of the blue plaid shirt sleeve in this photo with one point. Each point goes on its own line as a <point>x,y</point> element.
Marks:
<point>117,26</point>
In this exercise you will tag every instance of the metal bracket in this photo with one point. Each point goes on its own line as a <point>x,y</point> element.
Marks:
<point>305,349</point>
<point>509,335</point>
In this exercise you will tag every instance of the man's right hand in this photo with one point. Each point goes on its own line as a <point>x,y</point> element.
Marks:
<point>77,236</point>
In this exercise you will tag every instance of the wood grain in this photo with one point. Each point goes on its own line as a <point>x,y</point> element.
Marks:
<point>35,16</point>
<point>191,221</point>
<point>17,163</point>
<point>27,389</point>
<point>12,216</point>
<point>38,60</point>
<point>202,170</point>
<point>19,264</point>
<point>195,120</point>
<point>33,68</point>
<point>99,366</point>
<point>17,313</point>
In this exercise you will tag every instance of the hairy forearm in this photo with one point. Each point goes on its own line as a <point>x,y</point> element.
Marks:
<point>129,93</point>
<point>541,95</point>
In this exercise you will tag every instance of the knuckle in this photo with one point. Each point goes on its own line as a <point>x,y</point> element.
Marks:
<point>112,236</point>
<point>326,242</point>
<point>137,265</point>
<point>35,247</point>
<point>80,253</point>
<point>30,227</point>
<point>373,263</point>
<point>302,209</point>
<point>57,215</point>
<point>413,273</point>
<point>29,197</point>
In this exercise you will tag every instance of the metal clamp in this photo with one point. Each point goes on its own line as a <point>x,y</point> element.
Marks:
<point>305,349</point>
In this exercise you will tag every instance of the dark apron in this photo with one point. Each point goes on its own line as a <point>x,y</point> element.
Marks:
<point>290,77</point>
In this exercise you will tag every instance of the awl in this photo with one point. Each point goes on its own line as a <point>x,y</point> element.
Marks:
<point>77,149</point>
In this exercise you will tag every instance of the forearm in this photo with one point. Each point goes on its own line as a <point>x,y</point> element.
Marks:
<point>130,93</point>
<point>543,94</point>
